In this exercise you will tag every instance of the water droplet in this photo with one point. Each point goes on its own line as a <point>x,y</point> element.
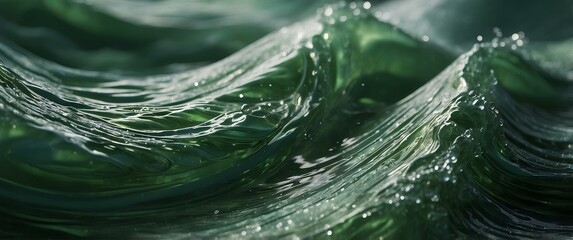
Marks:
<point>328,11</point>
<point>519,42</point>
<point>435,198</point>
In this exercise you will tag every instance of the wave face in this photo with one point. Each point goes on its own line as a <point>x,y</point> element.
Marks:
<point>250,119</point>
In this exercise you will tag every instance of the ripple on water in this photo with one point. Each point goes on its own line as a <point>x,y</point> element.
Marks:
<point>340,125</point>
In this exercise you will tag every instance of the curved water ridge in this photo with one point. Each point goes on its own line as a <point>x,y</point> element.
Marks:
<point>337,126</point>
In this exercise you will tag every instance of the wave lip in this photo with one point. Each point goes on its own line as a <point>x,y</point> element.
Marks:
<point>338,125</point>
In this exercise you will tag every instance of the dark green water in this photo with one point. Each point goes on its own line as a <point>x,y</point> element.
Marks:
<point>264,119</point>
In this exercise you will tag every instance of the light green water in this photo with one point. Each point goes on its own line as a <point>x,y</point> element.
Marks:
<point>253,119</point>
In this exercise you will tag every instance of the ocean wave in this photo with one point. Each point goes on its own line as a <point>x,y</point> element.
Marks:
<point>347,124</point>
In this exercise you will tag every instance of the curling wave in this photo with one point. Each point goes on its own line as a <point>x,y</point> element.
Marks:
<point>340,125</point>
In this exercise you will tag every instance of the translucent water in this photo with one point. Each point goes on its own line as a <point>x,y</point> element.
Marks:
<point>248,119</point>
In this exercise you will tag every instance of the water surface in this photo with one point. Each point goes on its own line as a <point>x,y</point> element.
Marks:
<point>250,119</point>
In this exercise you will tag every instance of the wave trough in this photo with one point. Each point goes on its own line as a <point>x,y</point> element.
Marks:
<point>346,124</point>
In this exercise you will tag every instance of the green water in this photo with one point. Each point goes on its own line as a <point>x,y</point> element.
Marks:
<point>256,119</point>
